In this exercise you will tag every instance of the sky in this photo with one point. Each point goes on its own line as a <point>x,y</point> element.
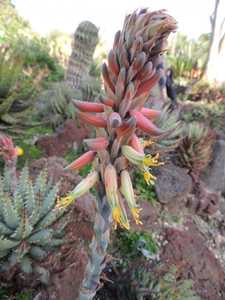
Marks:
<point>65,15</point>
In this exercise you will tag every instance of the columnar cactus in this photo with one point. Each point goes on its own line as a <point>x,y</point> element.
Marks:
<point>85,41</point>
<point>128,77</point>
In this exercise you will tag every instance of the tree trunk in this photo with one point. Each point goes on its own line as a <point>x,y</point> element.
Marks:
<point>214,71</point>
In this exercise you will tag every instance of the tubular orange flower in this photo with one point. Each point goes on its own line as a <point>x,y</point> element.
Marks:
<point>82,161</point>
<point>146,125</point>
<point>150,113</point>
<point>132,155</point>
<point>111,185</point>
<point>147,85</point>
<point>82,188</point>
<point>95,120</point>
<point>112,193</point>
<point>86,106</point>
<point>128,193</point>
<point>136,144</point>
<point>97,144</point>
<point>108,102</point>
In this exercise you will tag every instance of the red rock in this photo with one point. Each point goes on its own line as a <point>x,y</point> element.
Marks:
<point>61,142</point>
<point>188,252</point>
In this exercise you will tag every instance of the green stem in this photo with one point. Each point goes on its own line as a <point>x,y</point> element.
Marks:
<point>98,247</point>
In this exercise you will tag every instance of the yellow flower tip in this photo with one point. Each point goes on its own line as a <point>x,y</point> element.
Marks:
<point>118,220</point>
<point>19,151</point>
<point>136,215</point>
<point>149,178</point>
<point>152,161</point>
<point>64,202</point>
<point>148,143</point>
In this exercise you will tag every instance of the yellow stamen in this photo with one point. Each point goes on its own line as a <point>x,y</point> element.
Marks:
<point>118,218</point>
<point>148,143</point>
<point>136,215</point>
<point>64,202</point>
<point>149,178</point>
<point>152,161</point>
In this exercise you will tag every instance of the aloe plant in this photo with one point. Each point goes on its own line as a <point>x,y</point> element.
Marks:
<point>27,212</point>
<point>195,150</point>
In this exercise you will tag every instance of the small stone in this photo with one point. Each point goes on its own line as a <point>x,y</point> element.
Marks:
<point>172,184</point>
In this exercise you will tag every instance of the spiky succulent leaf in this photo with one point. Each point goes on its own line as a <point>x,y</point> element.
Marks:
<point>49,200</point>
<point>10,215</point>
<point>6,244</point>
<point>38,253</point>
<point>42,237</point>
<point>50,218</point>
<point>169,121</point>
<point>26,265</point>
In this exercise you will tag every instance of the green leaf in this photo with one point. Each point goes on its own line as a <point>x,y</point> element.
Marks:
<point>50,218</point>
<point>26,265</point>
<point>11,217</point>
<point>42,237</point>
<point>30,199</point>
<point>23,230</point>
<point>49,200</point>
<point>4,230</point>
<point>6,244</point>
<point>38,253</point>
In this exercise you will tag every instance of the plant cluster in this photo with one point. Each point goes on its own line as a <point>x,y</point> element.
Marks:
<point>166,287</point>
<point>195,149</point>
<point>24,63</point>
<point>211,114</point>
<point>187,57</point>
<point>28,212</point>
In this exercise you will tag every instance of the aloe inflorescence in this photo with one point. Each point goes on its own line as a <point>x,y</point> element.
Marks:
<point>128,76</point>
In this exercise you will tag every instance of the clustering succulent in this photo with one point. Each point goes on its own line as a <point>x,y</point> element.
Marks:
<point>54,105</point>
<point>128,77</point>
<point>168,286</point>
<point>167,120</point>
<point>27,212</point>
<point>195,150</point>
<point>85,41</point>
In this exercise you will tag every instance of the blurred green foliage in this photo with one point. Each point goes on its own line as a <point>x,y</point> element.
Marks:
<point>147,192</point>
<point>212,114</point>
<point>133,244</point>
<point>6,294</point>
<point>25,66</point>
<point>187,57</point>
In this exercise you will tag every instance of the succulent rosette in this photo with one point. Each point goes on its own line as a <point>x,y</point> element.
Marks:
<point>128,76</point>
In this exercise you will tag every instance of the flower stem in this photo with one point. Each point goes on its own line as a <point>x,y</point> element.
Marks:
<point>98,246</point>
